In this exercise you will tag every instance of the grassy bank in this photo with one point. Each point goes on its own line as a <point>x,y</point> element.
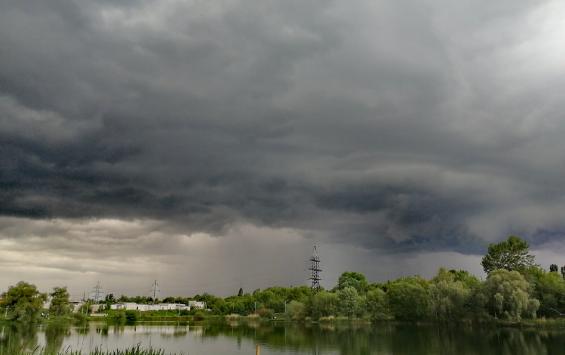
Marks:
<point>281,318</point>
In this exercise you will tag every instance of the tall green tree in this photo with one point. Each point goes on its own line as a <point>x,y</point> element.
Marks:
<point>60,304</point>
<point>511,254</point>
<point>349,302</point>
<point>449,296</point>
<point>353,279</point>
<point>23,302</point>
<point>323,304</point>
<point>409,298</point>
<point>549,289</point>
<point>377,305</point>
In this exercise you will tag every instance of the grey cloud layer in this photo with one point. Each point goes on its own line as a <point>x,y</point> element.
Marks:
<point>391,125</point>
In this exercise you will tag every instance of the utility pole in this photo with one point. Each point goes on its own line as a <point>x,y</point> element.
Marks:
<point>315,270</point>
<point>155,289</point>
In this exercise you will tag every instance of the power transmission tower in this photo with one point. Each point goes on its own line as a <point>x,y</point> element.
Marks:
<point>97,292</point>
<point>155,289</point>
<point>315,270</point>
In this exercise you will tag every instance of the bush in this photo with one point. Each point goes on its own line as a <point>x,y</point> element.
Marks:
<point>265,313</point>
<point>199,315</point>
<point>119,317</point>
<point>296,310</point>
<point>232,317</point>
<point>131,316</point>
<point>80,318</point>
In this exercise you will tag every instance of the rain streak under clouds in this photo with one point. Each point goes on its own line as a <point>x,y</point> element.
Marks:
<point>210,144</point>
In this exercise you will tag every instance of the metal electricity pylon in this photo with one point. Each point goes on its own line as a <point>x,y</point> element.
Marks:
<point>97,292</point>
<point>315,270</point>
<point>155,290</point>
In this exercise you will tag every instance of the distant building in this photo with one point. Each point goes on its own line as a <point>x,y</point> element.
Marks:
<point>75,306</point>
<point>197,304</point>
<point>129,306</point>
<point>96,308</point>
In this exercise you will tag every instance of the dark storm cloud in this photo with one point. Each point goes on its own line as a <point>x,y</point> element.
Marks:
<point>390,125</point>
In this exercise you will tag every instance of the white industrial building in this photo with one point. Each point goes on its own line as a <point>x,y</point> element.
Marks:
<point>129,306</point>
<point>197,304</point>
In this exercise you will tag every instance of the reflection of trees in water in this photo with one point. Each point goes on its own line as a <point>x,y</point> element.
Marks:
<point>180,331</point>
<point>83,329</point>
<point>528,341</point>
<point>15,337</point>
<point>394,338</point>
<point>103,329</point>
<point>342,338</point>
<point>55,334</point>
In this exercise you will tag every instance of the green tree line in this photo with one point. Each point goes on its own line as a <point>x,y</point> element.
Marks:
<point>515,288</point>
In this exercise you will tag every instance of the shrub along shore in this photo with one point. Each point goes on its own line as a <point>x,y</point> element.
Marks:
<point>515,290</point>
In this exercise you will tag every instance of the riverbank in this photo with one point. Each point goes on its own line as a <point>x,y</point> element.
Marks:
<point>235,319</point>
<point>362,322</point>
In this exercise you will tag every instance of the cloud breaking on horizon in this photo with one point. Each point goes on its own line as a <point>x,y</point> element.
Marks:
<point>210,144</point>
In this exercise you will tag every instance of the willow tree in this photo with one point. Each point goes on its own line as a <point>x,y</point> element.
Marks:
<point>507,296</point>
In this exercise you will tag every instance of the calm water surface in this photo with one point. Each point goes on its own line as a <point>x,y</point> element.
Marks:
<point>290,339</point>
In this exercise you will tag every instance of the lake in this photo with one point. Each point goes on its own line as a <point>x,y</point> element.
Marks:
<point>343,339</point>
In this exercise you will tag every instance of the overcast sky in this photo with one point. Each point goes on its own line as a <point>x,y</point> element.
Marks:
<point>210,144</point>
